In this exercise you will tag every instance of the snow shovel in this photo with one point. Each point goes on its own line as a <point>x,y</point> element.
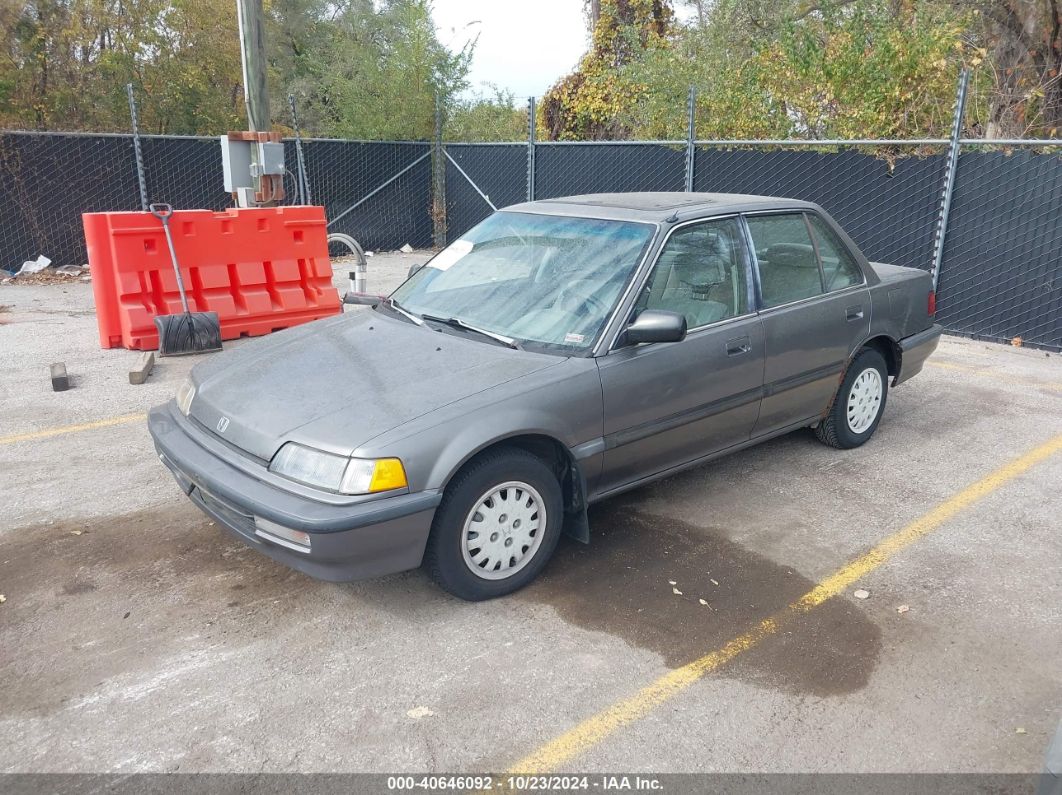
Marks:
<point>189,332</point>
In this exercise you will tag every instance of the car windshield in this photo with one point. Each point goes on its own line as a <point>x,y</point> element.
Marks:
<point>545,281</point>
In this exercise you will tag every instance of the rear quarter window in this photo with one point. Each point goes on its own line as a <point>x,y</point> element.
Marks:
<point>839,268</point>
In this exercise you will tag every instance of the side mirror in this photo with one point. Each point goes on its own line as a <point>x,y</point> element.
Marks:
<point>413,269</point>
<point>656,325</point>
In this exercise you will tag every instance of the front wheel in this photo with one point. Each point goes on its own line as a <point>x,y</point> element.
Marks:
<point>497,526</point>
<point>859,403</point>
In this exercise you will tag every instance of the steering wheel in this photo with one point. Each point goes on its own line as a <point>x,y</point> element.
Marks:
<point>577,294</point>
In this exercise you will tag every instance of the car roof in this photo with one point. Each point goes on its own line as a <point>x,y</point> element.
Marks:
<point>656,206</point>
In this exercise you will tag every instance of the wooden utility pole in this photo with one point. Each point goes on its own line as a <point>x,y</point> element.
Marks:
<point>269,187</point>
<point>438,180</point>
<point>252,54</point>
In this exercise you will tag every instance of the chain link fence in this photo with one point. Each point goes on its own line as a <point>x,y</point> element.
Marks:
<point>1000,274</point>
<point>481,178</point>
<point>377,192</point>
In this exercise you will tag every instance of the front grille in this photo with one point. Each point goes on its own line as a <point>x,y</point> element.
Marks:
<point>237,520</point>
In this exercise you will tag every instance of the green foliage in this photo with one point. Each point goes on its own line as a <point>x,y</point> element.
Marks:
<point>594,101</point>
<point>374,71</point>
<point>865,70</point>
<point>373,68</point>
<point>835,69</point>
<point>486,117</point>
<point>64,65</point>
<point>358,68</point>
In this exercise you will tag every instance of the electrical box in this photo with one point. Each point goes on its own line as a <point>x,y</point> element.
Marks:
<point>252,165</point>
<point>236,164</point>
<point>270,158</point>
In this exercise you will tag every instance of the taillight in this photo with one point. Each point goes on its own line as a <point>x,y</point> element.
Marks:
<point>932,308</point>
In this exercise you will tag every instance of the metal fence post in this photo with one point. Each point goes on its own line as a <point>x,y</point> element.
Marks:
<point>136,149</point>
<point>530,149</point>
<point>303,183</point>
<point>438,180</point>
<point>949,175</point>
<point>691,121</point>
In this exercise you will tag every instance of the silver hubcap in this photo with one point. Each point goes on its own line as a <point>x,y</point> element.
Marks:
<point>503,531</point>
<point>864,400</point>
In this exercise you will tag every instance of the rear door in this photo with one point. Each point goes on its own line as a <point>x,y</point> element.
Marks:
<point>669,403</point>
<point>815,308</point>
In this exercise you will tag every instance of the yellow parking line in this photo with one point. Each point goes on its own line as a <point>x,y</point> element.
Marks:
<point>63,429</point>
<point>996,376</point>
<point>593,730</point>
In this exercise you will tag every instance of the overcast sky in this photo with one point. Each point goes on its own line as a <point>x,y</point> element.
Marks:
<point>524,46</point>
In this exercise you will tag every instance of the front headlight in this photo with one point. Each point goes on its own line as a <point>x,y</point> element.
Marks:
<point>185,393</point>
<point>369,476</point>
<point>338,473</point>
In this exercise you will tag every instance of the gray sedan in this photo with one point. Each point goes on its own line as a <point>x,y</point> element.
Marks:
<point>559,353</point>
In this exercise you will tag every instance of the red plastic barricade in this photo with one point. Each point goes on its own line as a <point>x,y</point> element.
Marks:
<point>260,269</point>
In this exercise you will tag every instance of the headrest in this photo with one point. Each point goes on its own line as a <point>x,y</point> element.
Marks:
<point>792,255</point>
<point>700,259</point>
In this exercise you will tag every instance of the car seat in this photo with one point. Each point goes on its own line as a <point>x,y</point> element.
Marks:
<point>694,279</point>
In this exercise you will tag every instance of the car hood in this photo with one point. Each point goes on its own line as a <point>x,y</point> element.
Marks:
<point>335,384</point>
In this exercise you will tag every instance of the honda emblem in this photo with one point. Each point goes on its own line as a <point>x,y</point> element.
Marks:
<point>223,423</point>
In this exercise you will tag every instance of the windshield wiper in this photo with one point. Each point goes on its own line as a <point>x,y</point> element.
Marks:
<point>456,322</point>
<point>391,303</point>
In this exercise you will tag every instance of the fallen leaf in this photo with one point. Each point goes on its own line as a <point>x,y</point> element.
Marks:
<point>2,598</point>
<point>1017,342</point>
<point>1020,730</point>
<point>676,591</point>
<point>702,601</point>
<point>672,582</point>
<point>76,532</point>
<point>419,712</point>
<point>713,582</point>
<point>861,594</point>
<point>903,608</point>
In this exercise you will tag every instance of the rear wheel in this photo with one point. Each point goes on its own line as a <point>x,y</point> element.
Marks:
<point>858,404</point>
<point>497,526</point>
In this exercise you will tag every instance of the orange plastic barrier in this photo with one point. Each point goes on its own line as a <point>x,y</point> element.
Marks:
<point>260,269</point>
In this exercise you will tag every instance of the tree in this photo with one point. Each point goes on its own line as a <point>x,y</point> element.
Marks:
<point>64,64</point>
<point>590,103</point>
<point>359,68</point>
<point>769,69</point>
<point>1019,85</point>
<point>861,69</point>
<point>486,117</point>
<point>380,69</point>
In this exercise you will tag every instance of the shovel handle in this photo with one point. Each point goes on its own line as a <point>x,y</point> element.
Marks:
<point>163,213</point>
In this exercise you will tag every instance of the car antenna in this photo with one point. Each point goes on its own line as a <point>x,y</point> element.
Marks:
<point>671,218</point>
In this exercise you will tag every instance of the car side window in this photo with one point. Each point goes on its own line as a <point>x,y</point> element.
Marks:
<point>789,269</point>
<point>839,268</point>
<point>701,273</point>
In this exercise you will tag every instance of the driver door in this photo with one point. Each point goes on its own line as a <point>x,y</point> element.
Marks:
<point>666,404</point>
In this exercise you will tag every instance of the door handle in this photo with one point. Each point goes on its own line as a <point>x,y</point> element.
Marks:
<point>853,312</point>
<point>738,346</point>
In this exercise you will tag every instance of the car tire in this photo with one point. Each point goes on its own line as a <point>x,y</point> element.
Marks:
<point>509,501</point>
<point>859,403</point>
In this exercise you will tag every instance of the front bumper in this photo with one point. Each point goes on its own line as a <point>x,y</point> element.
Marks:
<point>914,351</point>
<point>348,541</point>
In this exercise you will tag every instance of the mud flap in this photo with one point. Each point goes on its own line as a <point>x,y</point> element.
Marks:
<point>577,525</point>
